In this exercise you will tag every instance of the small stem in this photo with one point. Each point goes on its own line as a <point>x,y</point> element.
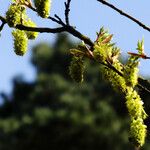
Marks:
<point>59,19</point>
<point>67,10</point>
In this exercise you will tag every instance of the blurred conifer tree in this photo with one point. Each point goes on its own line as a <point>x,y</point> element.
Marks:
<point>55,113</point>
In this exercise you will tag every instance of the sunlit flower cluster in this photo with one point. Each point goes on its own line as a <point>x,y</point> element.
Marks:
<point>43,7</point>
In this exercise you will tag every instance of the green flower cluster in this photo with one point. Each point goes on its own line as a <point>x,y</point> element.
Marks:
<point>105,52</point>
<point>116,80</point>
<point>124,81</point>
<point>76,69</point>
<point>133,100</point>
<point>15,14</point>
<point>137,132</point>
<point>131,71</point>
<point>134,104</point>
<point>137,113</point>
<point>103,47</point>
<point>20,42</point>
<point>43,7</point>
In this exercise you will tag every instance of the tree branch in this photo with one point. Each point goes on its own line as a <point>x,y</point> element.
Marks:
<point>74,32</point>
<point>41,30</point>
<point>59,20</point>
<point>1,27</point>
<point>79,35</point>
<point>3,19</point>
<point>3,23</point>
<point>125,14</point>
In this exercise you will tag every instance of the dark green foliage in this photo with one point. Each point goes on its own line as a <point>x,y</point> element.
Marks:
<point>54,113</point>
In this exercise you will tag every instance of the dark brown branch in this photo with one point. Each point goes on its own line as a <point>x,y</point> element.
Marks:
<point>54,20</point>
<point>80,36</point>
<point>125,14</point>
<point>59,20</point>
<point>41,30</point>
<point>3,20</point>
<point>67,28</point>
<point>67,10</point>
<point>74,32</point>
<point>2,25</point>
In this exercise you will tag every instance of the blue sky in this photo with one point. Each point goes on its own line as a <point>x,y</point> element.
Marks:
<point>88,16</point>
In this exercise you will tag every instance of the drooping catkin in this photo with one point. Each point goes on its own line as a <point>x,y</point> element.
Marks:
<point>76,69</point>
<point>20,42</point>
<point>43,7</point>
<point>14,14</point>
<point>137,132</point>
<point>124,78</point>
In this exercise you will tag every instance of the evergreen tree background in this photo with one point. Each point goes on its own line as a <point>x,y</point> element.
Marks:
<point>55,113</point>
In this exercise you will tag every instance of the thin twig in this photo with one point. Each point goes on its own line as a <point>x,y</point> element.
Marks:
<point>55,20</point>
<point>125,14</point>
<point>59,19</point>
<point>67,10</point>
<point>3,20</point>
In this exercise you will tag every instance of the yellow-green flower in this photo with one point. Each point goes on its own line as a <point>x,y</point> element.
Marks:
<point>20,42</point>
<point>15,14</point>
<point>43,7</point>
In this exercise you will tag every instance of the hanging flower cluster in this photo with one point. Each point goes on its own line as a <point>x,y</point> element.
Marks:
<point>126,81</point>
<point>76,69</point>
<point>16,15</point>
<point>20,42</point>
<point>123,77</point>
<point>43,7</point>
